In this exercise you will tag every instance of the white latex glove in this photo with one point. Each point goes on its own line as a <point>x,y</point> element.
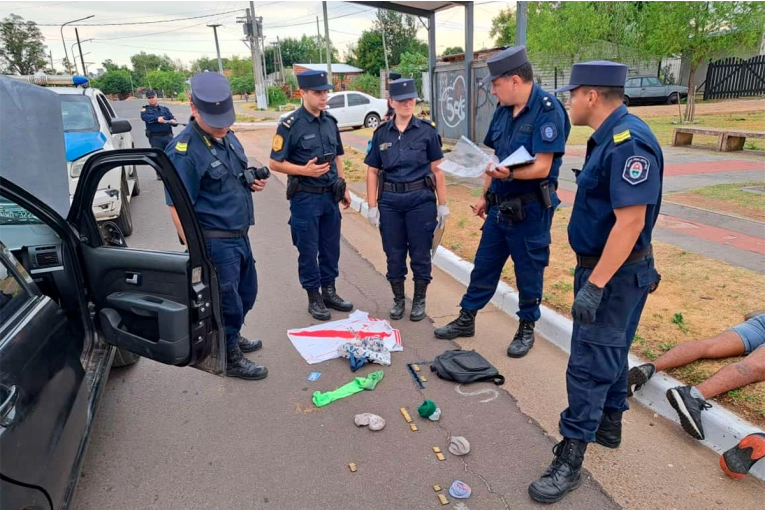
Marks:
<point>443,212</point>
<point>374,216</point>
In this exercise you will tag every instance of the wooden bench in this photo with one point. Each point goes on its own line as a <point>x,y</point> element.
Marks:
<point>727,139</point>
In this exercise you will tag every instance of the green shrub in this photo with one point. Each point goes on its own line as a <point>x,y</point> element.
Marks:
<point>276,96</point>
<point>367,83</point>
<point>182,97</point>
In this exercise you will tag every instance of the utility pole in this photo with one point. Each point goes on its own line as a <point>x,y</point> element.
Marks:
<point>318,38</point>
<point>521,14</point>
<point>79,47</point>
<point>253,34</point>
<point>50,56</point>
<point>329,45</point>
<point>217,47</point>
<point>385,51</point>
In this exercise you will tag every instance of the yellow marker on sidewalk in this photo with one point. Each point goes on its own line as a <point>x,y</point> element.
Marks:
<point>440,456</point>
<point>416,368</point>
<point>352,465</point>
<point>443,499</point>
<point>406,416</point>
<point>436,449</point>
<point>437,488</point>
<point>413,427</point>
<point>423,378</point>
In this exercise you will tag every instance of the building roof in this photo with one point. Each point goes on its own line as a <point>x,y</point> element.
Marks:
<point>336,68</point>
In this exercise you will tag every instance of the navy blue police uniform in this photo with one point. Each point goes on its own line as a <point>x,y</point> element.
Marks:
<point>523,233</point>
<point>407,199</point>
<point>159,134</point>
<point>212,172</point>
<point>315,217</point>
<point>623,167</point>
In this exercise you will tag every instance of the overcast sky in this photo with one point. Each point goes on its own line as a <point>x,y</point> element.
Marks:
<point>190,39</point>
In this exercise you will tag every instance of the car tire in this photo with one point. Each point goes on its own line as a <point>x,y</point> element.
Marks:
<point>673,98</point>
<point>137,183</point>
<point>372,120</point>
<point>125,219</point>
<point>123,358</point>
<point>626,100</point>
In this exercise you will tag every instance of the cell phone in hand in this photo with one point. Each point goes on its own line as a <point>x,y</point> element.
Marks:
<point>326,158</point>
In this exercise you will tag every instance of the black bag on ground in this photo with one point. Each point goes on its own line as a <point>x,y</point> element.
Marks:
<point>465,367</point>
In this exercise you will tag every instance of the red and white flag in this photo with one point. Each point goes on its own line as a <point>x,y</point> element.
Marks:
<point>321,342</point>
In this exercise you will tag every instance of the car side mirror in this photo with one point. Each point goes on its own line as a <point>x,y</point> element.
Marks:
<point>121,126</point>
<point>112,235</point>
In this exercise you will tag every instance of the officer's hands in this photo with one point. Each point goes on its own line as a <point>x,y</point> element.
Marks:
<point>314,170</point>
<point>497,172</point>
<point>173,122</point>
<point>161,120</point>
<point>479,209</point>
<point>443,212</point>
<point>373,215</point>
<point>586,303</point>
<point>258,185</point>
<point>346,201</point>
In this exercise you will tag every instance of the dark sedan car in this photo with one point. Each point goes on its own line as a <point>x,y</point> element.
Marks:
<point>650,90</point>
<point>73,294</point>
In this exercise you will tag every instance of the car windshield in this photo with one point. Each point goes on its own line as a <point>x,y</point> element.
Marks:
<point>78,114</point>
<point>13,214</point>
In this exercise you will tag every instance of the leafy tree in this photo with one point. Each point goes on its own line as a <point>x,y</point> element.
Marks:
<point>367,83</point>
<point>368,52</point>
<point>412,65</point>
<point>169,82</point>
<point>242,84</point>
<point>306,50</point>
<point>700,31</point>
<point>109,65</point>
<point>454,50</point>
<point>116,81</point>
<point>503,27</point>
<point>276,96</point>
<point>238,66</point>
<point>21,46</point>
<point>143,63</point>
<point>400,37</point>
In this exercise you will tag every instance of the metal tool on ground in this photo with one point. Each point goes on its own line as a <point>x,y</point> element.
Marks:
<point>414,369</point>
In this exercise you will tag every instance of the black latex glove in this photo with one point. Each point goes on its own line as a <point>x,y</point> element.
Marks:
<point>586,303</point>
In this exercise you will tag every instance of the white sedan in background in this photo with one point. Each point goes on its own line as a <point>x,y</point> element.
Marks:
<point>353,109</point>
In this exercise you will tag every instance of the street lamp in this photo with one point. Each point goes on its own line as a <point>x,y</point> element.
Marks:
<point>62,36</point>
<point>74,57</point>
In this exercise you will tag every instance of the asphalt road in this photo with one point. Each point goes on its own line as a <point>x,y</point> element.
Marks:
<point>177,438</point>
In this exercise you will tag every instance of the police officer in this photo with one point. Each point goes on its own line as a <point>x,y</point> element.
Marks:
<point>211,163</point>
<point>403,172</point>
<point>307,147</point>
<point>391,77</point>
<point>617,203</point>
<point>159,122</point>
<point>518,203</point>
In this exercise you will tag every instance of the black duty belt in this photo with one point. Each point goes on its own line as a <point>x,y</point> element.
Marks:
<point>151,135</point>
<point>493,199</point>
<point>403,187</point>
<point>590,261</point>
<point>224,234</point>
<point>313,189</point>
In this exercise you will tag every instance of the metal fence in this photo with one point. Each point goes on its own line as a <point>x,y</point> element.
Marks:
<point>733,77</point>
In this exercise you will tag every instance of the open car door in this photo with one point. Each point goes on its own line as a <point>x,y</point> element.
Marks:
<point>164,306</point>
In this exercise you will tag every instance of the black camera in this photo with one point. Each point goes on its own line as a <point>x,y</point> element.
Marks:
<point>252,174</point>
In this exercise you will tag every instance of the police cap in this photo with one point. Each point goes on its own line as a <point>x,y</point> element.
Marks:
<point>505,61</point>
<point>150,94</point>
<point>313,80</point>
<point>402,89</point>
<point>211,94</point>
<point>599,73</point>
<point>394,76</point>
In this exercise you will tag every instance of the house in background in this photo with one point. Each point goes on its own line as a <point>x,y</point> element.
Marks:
<point>341,73</point>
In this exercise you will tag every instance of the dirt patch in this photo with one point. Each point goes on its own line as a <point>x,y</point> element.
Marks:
<point>725,198</point>
<point>697,298</point>
<point>702,108</point>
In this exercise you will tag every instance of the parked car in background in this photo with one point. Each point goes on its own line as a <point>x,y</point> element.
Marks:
<point>353,109</point>
<point>650,90</point>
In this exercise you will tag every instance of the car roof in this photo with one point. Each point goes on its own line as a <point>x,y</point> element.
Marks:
<point>72,91</point>
<point>43,173</point>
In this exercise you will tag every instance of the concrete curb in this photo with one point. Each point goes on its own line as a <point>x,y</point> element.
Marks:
<point>722,428</point>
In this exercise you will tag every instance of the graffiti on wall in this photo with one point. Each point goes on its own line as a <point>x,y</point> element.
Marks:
<point>453,100</point>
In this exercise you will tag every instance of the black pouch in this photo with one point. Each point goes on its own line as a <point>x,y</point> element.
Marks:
<point>430,182</point>
<point>292,186</point>
<point>512,210</point>
<point>545,194</point>
<point>380,183</point>
<point>465,367</point>
<point>338,189</point>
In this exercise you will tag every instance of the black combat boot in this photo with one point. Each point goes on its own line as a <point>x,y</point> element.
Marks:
<point>609,432</point>
<point>563,475</point>
<point>316,306</point>
<point>239,366</point>
<point>332,300</point>
<point>418,302</point>
<point>464,325</point>
<point>399,300</point>
<point>522,341</point>
<point>248,346</point>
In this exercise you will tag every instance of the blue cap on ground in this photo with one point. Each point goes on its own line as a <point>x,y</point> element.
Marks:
<point>313,80</point>
<point>598,73</point>
<point>211,94</point>
<point>505,61</point>
<point>402,89</point>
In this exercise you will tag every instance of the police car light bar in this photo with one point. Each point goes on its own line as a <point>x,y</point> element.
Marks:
<point>48,79</point>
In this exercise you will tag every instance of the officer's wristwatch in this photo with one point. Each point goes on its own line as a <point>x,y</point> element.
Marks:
<point>509,177</point>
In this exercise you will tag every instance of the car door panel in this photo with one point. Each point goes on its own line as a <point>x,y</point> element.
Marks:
<point>162,306</point>
<point>337,107</point>
<point>653,90</point>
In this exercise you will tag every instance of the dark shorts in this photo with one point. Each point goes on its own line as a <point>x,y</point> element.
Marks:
<point>752,333</point>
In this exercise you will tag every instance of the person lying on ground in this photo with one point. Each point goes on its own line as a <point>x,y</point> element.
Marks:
<point>746,339</point>
<point>737,461</point>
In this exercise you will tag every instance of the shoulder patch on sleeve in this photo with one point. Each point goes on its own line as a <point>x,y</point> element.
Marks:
<point>143,109</point>
<point>548,104</point>
<point>182,145</point>
<point>621,134</point>
<point>277,143</point>
<point>636,169</point>
<point>549,132</point>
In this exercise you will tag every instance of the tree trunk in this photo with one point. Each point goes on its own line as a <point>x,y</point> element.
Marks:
<point>690,107</point>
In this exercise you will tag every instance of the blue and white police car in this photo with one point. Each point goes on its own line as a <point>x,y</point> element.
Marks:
<point>91,126</point>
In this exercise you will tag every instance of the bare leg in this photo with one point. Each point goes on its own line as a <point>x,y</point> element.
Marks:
<point>736,375</point>
<point>725,345</point>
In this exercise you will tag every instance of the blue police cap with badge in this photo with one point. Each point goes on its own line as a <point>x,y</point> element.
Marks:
<point>150,94</point>
<point>211,94</point>
<point>402,89</point>
<point>598,73</point>
<point>313,80</point>
<point>504,62</point>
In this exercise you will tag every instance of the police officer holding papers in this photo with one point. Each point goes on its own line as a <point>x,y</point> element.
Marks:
<point>617,203</point>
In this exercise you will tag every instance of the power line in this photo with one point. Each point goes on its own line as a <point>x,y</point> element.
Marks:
<point>164,31</point>
<point>289,25</point>
<point>140,22</point>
